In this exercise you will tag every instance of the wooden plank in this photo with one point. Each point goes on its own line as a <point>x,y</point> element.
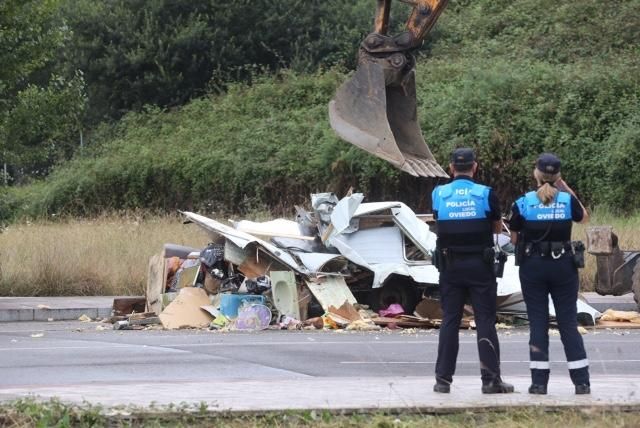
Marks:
<point>384,321</point>
<point>145,321</point>
<point>155,283</point>
<point>142,315</point>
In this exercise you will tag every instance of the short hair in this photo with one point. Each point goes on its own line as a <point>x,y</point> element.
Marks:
<point>463,169</point>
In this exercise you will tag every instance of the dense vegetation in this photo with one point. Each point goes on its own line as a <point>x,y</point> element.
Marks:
<point>512,78</point>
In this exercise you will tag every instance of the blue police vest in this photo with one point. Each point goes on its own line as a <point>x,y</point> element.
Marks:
<point>532,209</point>
<point>461,200</point>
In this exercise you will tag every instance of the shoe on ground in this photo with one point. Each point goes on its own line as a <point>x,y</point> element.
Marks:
<point>497,386</point>
<point>442,387</point>
<point>583,389</point>
<point>538,389</point>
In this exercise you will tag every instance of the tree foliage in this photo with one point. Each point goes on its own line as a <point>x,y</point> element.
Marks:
<point>40,111</point>
<point>165,52</point>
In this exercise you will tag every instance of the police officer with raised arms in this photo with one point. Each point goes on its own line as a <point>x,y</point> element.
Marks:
<point>467,214</point>
<point>540,224</point>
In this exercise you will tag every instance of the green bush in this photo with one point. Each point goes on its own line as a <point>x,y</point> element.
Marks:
<point>510,112</point>
<point>270,145</point>
<point>511,78</point>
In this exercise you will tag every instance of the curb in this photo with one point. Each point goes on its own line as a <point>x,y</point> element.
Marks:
<point>22,312</point>
<point>374,394</point>
<point>65,314</point>
<point>14,309</point>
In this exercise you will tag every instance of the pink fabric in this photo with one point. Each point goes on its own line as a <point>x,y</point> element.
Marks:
<point>392,311</point>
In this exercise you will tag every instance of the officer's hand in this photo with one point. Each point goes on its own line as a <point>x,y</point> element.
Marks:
<point>564,187</point>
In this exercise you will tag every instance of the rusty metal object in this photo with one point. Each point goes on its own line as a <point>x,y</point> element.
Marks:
<point>376,108</point>
<point>614,267</point>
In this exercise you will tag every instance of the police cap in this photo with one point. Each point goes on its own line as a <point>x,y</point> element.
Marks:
<point>548,163</point>
<point>463,157</point>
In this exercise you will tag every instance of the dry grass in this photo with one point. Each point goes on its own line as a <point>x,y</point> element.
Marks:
<point>108,256</point>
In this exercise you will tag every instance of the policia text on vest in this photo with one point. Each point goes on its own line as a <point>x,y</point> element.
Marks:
<point>465,200</point>
<point>532,210</point>
<point>466,215</point>
<point>541,226</point>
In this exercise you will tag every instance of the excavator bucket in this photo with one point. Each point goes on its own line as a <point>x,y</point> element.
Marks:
<point>383,119</point>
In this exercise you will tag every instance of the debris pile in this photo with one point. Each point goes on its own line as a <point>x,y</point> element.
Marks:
<point>302,274</point>
<point>343,265</point>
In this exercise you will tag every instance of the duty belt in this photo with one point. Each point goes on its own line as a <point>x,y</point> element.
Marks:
<point>555,249</point>
<point>465,250</point>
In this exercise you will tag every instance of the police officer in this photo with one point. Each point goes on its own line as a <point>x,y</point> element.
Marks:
<point>467,214</point>
<point>541,229</point>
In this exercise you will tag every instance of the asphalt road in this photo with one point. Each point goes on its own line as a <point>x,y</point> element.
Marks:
<point>40,354</point>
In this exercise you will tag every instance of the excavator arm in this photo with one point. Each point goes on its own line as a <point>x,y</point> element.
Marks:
<point>376,108</point>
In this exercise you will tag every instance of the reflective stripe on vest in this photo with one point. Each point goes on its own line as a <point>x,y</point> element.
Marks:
<point>532,209</point>
<point>461,200</point>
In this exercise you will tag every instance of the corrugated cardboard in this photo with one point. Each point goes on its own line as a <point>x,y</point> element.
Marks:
<point>185,310</point>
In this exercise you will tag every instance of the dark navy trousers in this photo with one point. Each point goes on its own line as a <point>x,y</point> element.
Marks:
<point>541,277</point>
<point>468,276</point>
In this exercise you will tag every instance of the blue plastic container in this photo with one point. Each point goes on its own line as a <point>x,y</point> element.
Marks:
<point>230,303</point>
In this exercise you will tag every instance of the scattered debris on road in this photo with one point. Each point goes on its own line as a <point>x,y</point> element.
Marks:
<point>619,319</point>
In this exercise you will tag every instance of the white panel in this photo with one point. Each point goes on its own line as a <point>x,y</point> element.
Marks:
<point>379,245</point>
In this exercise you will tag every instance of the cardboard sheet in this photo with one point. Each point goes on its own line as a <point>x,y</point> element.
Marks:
<point>346,311</point>
<point>185,310</point>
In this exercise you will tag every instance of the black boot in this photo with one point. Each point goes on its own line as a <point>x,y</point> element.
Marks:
<point>497,386</point>
<point>583,389</point>
<point>538,389</point>
<point>442,386</point>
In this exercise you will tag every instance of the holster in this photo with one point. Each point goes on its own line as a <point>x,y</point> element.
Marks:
<point>577,248</point>
<point>498,263</point>
<point>440,259</point>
